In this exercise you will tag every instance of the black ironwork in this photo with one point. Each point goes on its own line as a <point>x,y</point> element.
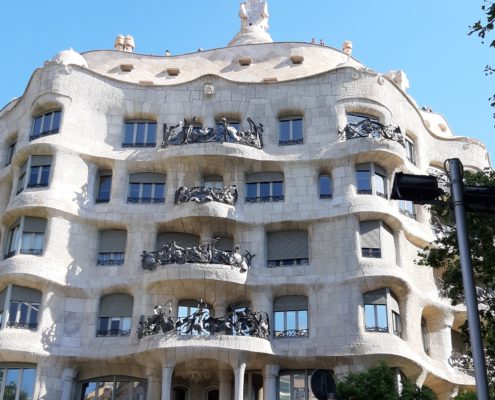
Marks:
<point>37,185</point>
<point>189,132</point>
<point>22,325</point>
<point>140,144</point>
<point>287,262</point>
<point>407,213</point>
<point>205,253</point>
<point>45,133</point>
<point>110,259</point>
<point>369,252</point>
<point>239,321</point>
<point>145,200</point>
<point>265,199</point>
<point>289,142</point>
<point>113,332</point>
<point>372,129</point>
<point>203,194</point>
<point>291,333</point>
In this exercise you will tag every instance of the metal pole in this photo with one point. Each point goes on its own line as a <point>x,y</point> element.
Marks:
<point>457,192</point>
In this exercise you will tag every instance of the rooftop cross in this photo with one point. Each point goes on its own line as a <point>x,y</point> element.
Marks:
<point>254,23</point>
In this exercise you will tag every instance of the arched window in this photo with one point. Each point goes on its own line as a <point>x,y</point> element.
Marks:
<point>371,179</point>
<point>181,239</point>
<point>46,124</point>
<point>191,315</point>
<point>291,130</point>
<point>20,306</point>
<point>374,236</point>
<point>115,315</point>
<point>180,393</point>
<point>286,248</point>
<point>26,236</point>
<point>264,187</point>
<point>381,311</point>
<point>112,247</point>
<point>290,316</point>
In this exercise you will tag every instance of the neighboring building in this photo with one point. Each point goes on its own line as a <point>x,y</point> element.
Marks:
<point>96,171</point>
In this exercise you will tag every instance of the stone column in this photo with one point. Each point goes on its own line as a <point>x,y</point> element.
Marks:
<point>68,376</point>
<point>153,375</point>
<point>119,189</point>
<point>239,381</point>
<point>219,308</point>
<point>225,389</point>
<point>167,372</point>
<point>270,374</point>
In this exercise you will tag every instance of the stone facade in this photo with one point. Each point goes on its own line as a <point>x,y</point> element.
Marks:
<point>322,88</point>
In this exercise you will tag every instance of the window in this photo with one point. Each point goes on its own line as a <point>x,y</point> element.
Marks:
<point>140,134</point>
<point>146,188</point>
<point>264,187</point>
<point>112,247</point>
<point>10,152</point>
<point>39,173</point>
<point>372,234</point>
<point>291,317</point>
<point>113,387</point>
<point>213,181</point>
<point>17,381</point>
<point>407,208</point>
<point>180,393</point>
<point>180,239</point>
<point>325,186</point>
<point>287,248</point>
<point>291,131</point>
<point>424,336</point>
<point>295,385</point>
<point>46,124</point>
<point>104,186</point>
<point>115,315</point>
<point>192,322</point>
<point>376,314</point>
<point>357,118</point>
<point>410,150</point>
<point>371,179</point>
<point>24,307</point>
<point>31,240</point>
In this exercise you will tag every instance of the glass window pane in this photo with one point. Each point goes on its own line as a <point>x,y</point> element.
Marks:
<point>129,133</point>
<point>134,189</point>
<point>369,316</point>
<point>299,387</point>
<point>33,176</point>
<point>183,311</point>
<point>103,324</point>
<point>27,241</point>
<point>381,311</point>
<point>24,312</point>
<point>297,129</point>
<point>13,311</point>
<point>47,121</point>
<point>11,384</point>
<point>251,190</point>
<point>159,191</point>
<point>27,387</point>
<point>291,320</point>
<point>284,131</point>
<point>33,317</point>
<point>279,321</point>
<point>325,185</point>
<point>115,324</point>
<point>147,190</point>
<point>277,189</point>
<point>151,134</point>
<point>89,391</point>
<point>45,173</point>
<point>140,132</point>
<point>38,241</point>
<point>123,390</point>
<point>56,120</point>
<point>380,185</point>
<point>363,180</point>
<point>139,391</point>
<point>105,187</point>
<point>37,126</point>
<point>302,319</point>
<point>106,391</point>
<point>126,323</point>
<point>14,239</point>
<point>264,189</point>
<point>284,387</point>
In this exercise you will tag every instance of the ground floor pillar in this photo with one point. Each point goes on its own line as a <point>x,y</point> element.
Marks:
<point>154,391</point>
<point>68,383</point>
<point>239,381</point>
<point>225,385</point>
<point>167,373</point>
<point>270,374</point>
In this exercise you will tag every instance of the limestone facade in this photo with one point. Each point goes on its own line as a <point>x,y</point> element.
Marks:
<point>323,89</point>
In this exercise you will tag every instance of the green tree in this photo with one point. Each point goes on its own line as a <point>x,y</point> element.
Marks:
<point>379,383</point>
<point>442,254</point>
<point>482,28</point>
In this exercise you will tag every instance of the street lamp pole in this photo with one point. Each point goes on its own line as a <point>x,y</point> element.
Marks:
<point>457,193</point>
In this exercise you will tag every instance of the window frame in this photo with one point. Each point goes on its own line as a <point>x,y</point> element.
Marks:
<point>407,208</point>
<point>42,175</point>
<point>410,147</point>
<point>325,195</point>
<point>16,322</point>
<point>393,317</point>
<point>10,152</point>
<point>42,118</point>
<point>357,118</point>
<point>298,331</point>
<point>293,139</point>
<point>19,383</point>
<point>308,395</point>
<point>149,138</point>
<point>425,336</point>
<point>374,173</point>
<point>99,193</point>
<point>16,237</point>
<point>271,198</point>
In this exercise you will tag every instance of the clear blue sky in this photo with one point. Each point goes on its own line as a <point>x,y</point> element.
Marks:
<point>425,38</point>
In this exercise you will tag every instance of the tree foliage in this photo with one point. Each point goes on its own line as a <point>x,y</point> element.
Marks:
<point>378,383</point>
<point>443,255</point>
<point>482,28</point>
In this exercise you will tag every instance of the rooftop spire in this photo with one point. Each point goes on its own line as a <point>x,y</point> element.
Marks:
<point>254,23</point>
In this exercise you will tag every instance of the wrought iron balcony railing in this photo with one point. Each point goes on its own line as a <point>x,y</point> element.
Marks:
<point>203,194</point>
<point>265,199</point>
<point>113,332</point>
<point>22,325</point>
<point>291,333</point>
<point>287,262</point>
<point>145,200</point>
<point>372,129</point>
